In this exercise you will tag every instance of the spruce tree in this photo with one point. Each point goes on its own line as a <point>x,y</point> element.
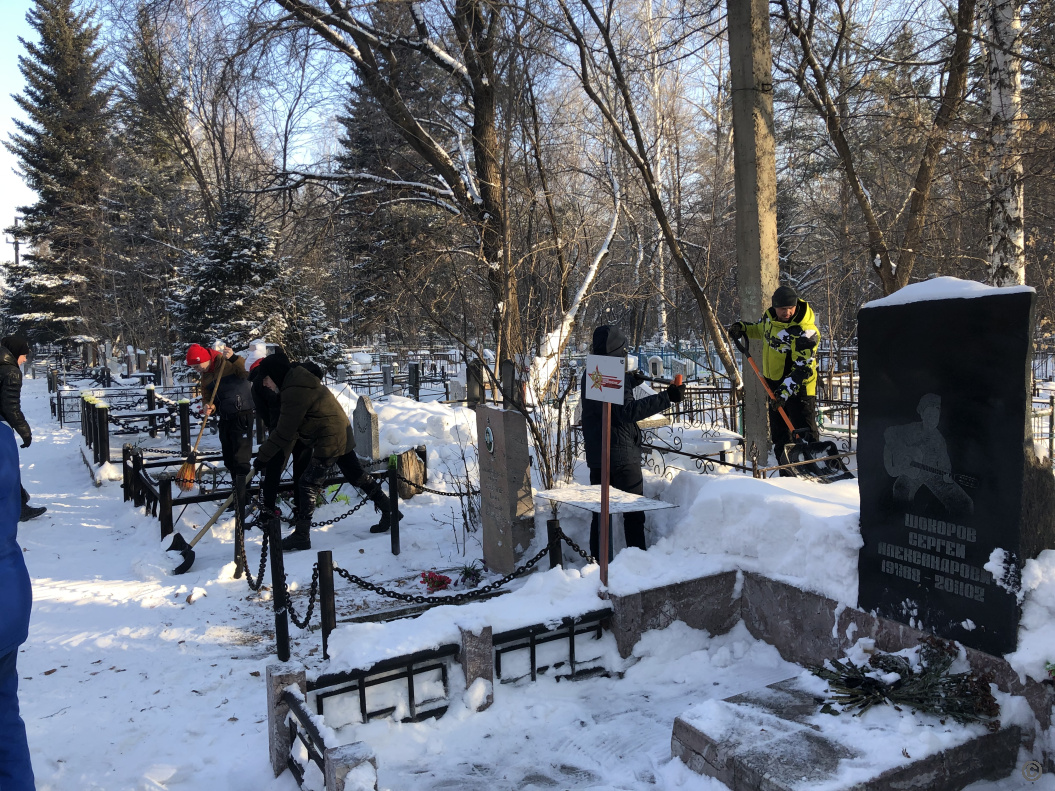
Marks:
<point>62,150</point>
<point>230,283</point>
<point>307,331</point>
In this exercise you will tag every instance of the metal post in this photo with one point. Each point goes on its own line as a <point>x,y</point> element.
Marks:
<point>126,460</point>
<point>603,526</point>
<point>327,604</point>
<point>278,590</point>
<point>152,403</point>
<point>393,496</point>
<point>137,486</point>
<point>165,503</point>
<point>556,552</point>
<point>238,482</point>
<point>102,439</point>
<point>184,427</point>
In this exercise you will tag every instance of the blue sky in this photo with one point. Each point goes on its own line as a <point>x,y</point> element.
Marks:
<point>12,191</point>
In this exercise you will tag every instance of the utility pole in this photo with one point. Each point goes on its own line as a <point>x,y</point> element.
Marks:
<point>755,179</point>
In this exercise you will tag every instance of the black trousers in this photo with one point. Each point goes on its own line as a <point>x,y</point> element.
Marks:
<point>802,412</point>
<point>273,475</point>
<point>312,478</point>
<point>236,441</point>
<point>626,478</point>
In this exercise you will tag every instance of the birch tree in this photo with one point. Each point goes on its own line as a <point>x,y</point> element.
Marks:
<point>1007,262</point>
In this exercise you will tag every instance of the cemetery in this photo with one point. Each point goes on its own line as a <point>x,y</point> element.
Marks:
<point>355,652</point>
<point>657,397</point>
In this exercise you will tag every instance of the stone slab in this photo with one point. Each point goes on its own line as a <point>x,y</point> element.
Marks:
<point>589,498</point>
<point>708,603</point>
<point>769,740</point>
<point>506,505</point>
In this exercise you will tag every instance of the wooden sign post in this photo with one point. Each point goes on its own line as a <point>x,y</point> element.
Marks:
<point>604,382</point>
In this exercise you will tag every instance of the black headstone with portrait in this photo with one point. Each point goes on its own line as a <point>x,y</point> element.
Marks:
<point>947,471</point>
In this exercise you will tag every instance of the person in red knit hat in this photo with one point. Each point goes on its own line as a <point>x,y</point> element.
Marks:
<point>233,402</point>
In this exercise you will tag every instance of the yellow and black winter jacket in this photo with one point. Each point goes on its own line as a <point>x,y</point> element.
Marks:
<point>789,360</point>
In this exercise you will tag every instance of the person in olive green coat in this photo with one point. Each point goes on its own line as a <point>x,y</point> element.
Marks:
<point>309,412</point>
<point>790,337</point>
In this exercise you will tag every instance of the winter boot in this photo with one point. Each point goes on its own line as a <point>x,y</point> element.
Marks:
<point>299,539</point>
<point>30,512</point>
<point>384,506</point>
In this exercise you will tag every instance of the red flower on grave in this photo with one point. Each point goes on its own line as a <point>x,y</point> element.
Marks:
<point>434,581</point>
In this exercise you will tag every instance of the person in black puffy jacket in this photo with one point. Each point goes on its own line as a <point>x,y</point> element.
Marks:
<point>16,592</point>
<point>625,452</point>
<point>13,352</point>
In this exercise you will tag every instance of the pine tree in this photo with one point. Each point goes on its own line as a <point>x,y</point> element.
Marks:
<point>154,200</point>
<point>230,284</point>
<point>62,151</point>
<point>307,332</point>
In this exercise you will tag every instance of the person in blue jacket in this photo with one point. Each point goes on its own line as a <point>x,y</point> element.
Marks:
<point>16,593</point>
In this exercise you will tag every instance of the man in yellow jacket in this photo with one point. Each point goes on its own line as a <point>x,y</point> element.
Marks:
<point>790,338</point>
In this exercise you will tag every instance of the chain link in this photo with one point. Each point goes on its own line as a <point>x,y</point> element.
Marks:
<point>322,523</point>
<point>255,585</point>
<point>313,593</point>
<point>470,492</point>
<point>458,598</point>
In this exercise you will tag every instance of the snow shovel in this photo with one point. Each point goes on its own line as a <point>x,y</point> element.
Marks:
<point>187,475</point>
<point>827,466</point>
<point>186,548</point>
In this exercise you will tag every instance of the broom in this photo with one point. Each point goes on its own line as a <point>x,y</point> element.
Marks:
<point>187,475</point>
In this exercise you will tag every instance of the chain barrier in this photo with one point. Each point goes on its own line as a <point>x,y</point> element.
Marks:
<point>255,585</point>
<point>476,593</point>
<point>322,523</point>
<point>418,486</point>
<point>313,594</point>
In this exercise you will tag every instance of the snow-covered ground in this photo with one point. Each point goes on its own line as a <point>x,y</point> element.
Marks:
<point>136,679</point>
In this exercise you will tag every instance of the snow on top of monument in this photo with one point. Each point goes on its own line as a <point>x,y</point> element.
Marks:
<point>788,529</point>
<point>943,288</point>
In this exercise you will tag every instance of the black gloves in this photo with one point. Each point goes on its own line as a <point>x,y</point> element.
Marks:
<point>258,465</point>
<point>636,377</point>
<point>806,342</point>
<point>27,441</point>
<point>737,330</point>
<point>676,393</point>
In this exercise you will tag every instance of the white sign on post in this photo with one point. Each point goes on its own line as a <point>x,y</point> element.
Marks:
<point>604,378</point>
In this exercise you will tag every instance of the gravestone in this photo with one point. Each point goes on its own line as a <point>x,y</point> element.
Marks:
<point>387,379</point>
<point>947,469</point>
<point>141,361</point>
<point>165,368</point>
<point>655,366</point>
<point>366,430</point>
<point>414,380</point>
<point>108,352</point>
<point>506,506</point>
<point>457,390</point>
<point>474,383</point>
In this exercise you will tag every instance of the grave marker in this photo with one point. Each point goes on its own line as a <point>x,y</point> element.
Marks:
<point>366,430</point>
<point>947,470</point>
<point>506,507</point>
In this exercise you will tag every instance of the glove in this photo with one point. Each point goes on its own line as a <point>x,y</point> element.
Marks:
<point>779,403</point>
<point>806,342</point>
<point>636,377</point>
<point>737,330</point>
<point>258,465</point>
<point>27,442</point>
<point>676,393</point>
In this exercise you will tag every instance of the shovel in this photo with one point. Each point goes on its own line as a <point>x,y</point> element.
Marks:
<point>825,466</point>
<point>186,548</point>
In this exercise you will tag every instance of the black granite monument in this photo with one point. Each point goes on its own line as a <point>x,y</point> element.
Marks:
<point>947,469</point>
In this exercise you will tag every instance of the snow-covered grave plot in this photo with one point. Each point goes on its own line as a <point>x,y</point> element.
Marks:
<point>135,679</point>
